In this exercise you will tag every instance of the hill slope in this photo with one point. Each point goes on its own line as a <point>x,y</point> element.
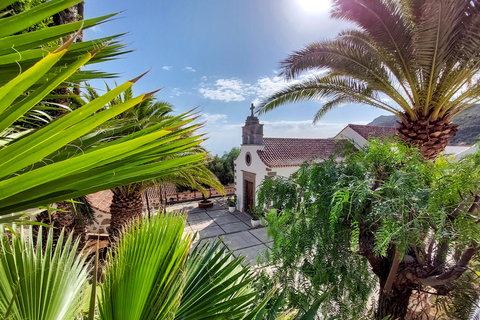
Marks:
<point>468,125</point>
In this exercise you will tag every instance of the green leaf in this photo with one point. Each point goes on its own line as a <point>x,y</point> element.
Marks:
<point>146,270</point>
<point>31,40</point>
<point>217,285</point>
<point>62,131</point>
<point>6,3</point>
<point>13,89</point>
<point>312,312</point>
<point>16,111</point>
<point>22,21</point>
<point>41,284</point>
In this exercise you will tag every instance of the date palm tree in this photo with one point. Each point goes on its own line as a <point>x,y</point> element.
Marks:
<point>418,59</point>
<point>65,159</point>
<point>127,200</point>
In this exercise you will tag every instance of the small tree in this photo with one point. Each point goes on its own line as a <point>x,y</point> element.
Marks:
<point>414,224</point>
<point>222,166</point>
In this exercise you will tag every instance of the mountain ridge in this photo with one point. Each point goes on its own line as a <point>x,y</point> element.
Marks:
<point>468,122</point>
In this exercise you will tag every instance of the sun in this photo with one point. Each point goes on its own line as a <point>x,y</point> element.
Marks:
<point>315,5</point>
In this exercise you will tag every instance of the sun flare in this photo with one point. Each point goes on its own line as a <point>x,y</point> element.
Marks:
<point>315,5</point>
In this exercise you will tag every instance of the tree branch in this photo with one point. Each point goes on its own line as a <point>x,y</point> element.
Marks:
<point>393,272</point>
<point>453,273</point>
<point>445,244</point>
<point>476,204</point>
<point>366,245</point>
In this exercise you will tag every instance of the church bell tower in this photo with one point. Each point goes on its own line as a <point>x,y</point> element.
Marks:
<point>252,131</point>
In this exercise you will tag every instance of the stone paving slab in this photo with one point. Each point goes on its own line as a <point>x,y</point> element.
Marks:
<point>195,210</point>
<point>198,216</point>
<point>218,213</point>
<point>210,231</point>
<point>235,227</point>
<point>251,253</point>
<point>240,240</point>
<point>260,234</point>
<point>201,224</point>
<point>243,216</point>
<point>227,219</point>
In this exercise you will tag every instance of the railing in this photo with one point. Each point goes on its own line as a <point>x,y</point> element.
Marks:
<point>166,194</point>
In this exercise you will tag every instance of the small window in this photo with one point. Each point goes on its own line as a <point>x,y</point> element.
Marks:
<point>248,158</point>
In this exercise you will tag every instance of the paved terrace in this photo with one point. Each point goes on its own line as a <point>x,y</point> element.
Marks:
<point>235,228</point>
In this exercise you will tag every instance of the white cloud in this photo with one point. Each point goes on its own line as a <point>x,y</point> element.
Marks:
<point>189,69</point>
<point>212,118</point>
<point>167,68</point>
<point>96,29</point>
<point>267,86</point>
<point>225,90</point>
<point>176,92</point>
<point>236,90</point>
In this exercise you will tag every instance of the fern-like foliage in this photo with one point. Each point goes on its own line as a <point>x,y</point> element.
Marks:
<point>335,222</point>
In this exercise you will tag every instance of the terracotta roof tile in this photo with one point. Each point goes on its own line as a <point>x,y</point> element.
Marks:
<point>101,200</point>
<point>369,132</point>
<point>287,152</point>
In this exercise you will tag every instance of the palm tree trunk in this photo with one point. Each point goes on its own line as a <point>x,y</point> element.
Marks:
<point>69,15</point>
<point>431,136</point>
<point>126,206</point>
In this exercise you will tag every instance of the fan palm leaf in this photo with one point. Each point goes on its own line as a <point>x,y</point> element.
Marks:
<point>216,285</point>
<point>37,284</point>
<point>144,279</point>
<point>151,275</point>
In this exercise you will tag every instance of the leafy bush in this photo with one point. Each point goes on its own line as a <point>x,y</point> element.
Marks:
<point>232,201</point>
<point>222,166</point>
<point>384,208</point>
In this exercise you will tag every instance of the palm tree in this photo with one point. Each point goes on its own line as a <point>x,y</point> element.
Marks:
<point>65,159</point>
<point>71,216</point>
<point>418,59</point>
<point>127,200</point>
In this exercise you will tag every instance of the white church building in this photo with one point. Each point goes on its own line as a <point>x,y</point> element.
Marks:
<point>262,157</point>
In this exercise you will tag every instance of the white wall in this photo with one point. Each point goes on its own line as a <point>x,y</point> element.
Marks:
<point>459,152</point>
<point>285,171</point>
<point>256,167</point>
<point>350,134</point>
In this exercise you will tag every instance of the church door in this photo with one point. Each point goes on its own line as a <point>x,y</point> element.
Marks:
<point>249,196</point>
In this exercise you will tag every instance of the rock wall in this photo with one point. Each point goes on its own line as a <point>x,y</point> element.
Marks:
<point>101,207</point>
<point>102,225</point>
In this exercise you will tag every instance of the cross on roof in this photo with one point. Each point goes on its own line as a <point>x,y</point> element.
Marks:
<point>252,108</point>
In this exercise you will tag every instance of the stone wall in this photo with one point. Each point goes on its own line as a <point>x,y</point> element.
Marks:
<point>102,225</point>
<point>101,207</point>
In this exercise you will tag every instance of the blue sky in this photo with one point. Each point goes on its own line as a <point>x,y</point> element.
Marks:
<point>222,55</point>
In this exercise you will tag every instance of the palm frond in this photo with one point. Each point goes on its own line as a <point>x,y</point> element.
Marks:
<point>144,277</point>
<point>37,284</point>
<point>216,285</point>
<point>328,87</point>
<point>383,20</point>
